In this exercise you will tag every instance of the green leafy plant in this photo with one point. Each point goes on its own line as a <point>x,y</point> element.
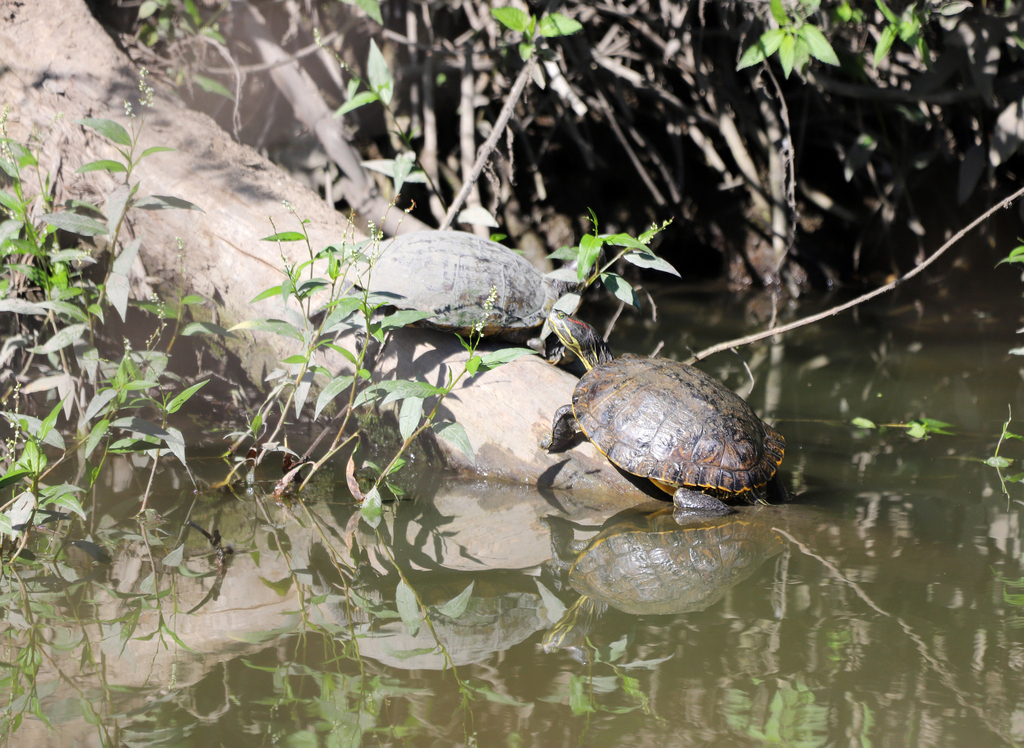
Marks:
<point>590,268</point>
<point>60,310</point>
<point>920,428</point>
<point>329,307</point>
<point>795,40</point>
<point>532,29</point>
<point>380,87</point>
<point>164,22</point>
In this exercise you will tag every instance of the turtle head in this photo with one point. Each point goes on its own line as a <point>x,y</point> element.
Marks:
<point>580,338</point>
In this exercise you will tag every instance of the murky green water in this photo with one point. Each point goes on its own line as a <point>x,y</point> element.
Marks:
<point>882,607</point>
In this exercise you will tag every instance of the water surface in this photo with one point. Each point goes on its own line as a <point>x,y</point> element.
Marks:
<point>882,607</point>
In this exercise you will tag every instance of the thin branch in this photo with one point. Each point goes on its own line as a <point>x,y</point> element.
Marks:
<point>860,299</point>
<point>491,143</point>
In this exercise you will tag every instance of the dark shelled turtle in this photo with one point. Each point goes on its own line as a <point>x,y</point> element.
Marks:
<point>666,421</point>
<point>462,279</point>
<point>658,562</point>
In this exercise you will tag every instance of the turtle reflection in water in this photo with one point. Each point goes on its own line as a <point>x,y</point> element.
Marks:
<point>664,561</point>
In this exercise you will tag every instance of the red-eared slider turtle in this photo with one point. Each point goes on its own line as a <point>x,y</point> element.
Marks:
<point>646,562</point>
<point>666,421</point>
<point>461,279</point>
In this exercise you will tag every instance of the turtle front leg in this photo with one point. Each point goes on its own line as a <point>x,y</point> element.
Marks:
<point>563,429</point>
<point>688,500</point>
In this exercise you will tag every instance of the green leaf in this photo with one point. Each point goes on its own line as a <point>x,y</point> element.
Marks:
<point>998,462</point>
<point>21,306</point>
<point>64,501</point>
<point>763,48</point>
<point>863,423</point>
<point>565,253</point>
<point>98,554</point>
<point>494,697</point>
<point>512,18</point>
<point>123,262</point>
<point>10,230</point>
<point>309,287</point>
<point>71,255</point>
<point>555,24</point>
<point>590,250</point>
<point>1017,255</point>
<point>211,86</point>
<point>377,71</point>
<point>47,424</point>
<point>579,695</point>
<point>916,430</point>
<point>62,339</point>
<point>183,398</point>
<point>118,288</point>
<point>276,326</point>
<point>817,43</point>
<point>801,55</point>
<point>97,433</point>
<point>400,389</point>
<point>371,508</point>
<point>175,557</point>
<point>779,13</point>
<point>936,427</point>
<point>409,416</point>
<point>952,9</point>
<point>10,202</point>
<point>456,435</point>
<point>206,328</point>
<point>403,167</point>
<point>885,42</point>
<point>99,403</point>
<point>75,223</point>
<point>13,476</point>
<point>620,289</point>
<point>455,607</point>
<point>647,259</point>
<point>283,236</point>
<point>114,167</point>
<point>137,425</point>
<point>360,99</point>
<point>526,51</point>
<point>331,391</point>
<point>408,608</point>
<point>494,359</point>
<point>156,149</point>
<point>402,318</point>
<point>166,202</point>
<point>108,129</point>
<point>370,7</point>
<point>624,240</point>
<point>787,54</point>
<point>889,15</point>
<point>386,166</point>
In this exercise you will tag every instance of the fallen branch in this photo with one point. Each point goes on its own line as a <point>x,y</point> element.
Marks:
<point>296,85</point>
<point>860,299</point>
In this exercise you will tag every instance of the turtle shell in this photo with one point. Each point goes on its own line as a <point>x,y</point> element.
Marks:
<point>676,425</point>
<point>647,563</point>
<point>451,274</point>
